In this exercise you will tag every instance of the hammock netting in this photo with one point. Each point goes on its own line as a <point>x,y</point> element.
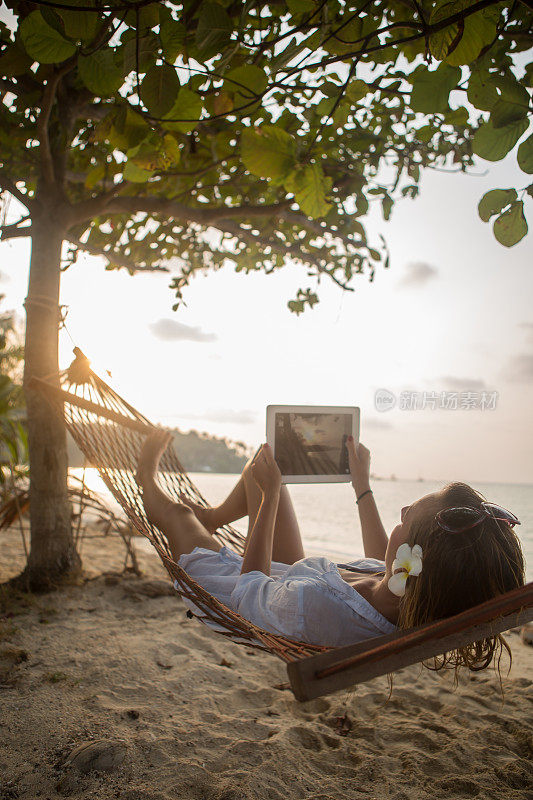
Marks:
<point>110,433</point>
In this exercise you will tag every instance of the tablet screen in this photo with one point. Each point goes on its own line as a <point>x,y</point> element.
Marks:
<point>312,442</point>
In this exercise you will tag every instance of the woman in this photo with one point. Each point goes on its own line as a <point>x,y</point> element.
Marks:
<point>450,551</point>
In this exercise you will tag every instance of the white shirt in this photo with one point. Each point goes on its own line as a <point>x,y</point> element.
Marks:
<point>307,601</point>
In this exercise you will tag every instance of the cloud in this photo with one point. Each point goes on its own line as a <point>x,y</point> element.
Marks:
<point>519,369</point>
<point>170,330</point>
<point>418,273</point>
<point>463,384</point>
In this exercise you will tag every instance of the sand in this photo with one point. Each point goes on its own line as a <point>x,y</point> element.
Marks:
<point>113,675</point>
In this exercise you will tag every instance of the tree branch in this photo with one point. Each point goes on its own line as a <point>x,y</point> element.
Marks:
<point>13,232</point>
<point>7,185</point>
<point>6,86</point>
<point>292,250</point>
<point>112,256</point>
<point>95,111</point>
<point>49,95</point>
<point>423,30</point>
<point>314,226</point>
<point>161,205</point>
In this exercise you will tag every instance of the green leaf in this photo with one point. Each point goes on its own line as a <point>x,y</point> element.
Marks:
<point>172,36</point>
<point>145,18</point>
<point>431,89</point>
<point>492,202</point>
<point>170,151</point>
<point>309,186</point>
<point>344,32</point>
<point>386,205</point>
<point>511,89</point>
<point>127,131</point>
<point>187,108</point>
<point>268,151</point>
<point>300,6</point>
<point>524,155</point>
<point>94,176</point>
<point>504,113</point>
<point>159,89</point>
<point>100,73</point>
<point>147,48</point>
<point>478,32</point>
<point>245,83</point>
<point>441,41</point>
<point>222,103</point>
<point>362,205</point>
<point>511,226</point>
<point>296,306</point>
<point>14,61</point>
<point>42,42</point>
<point>493,144</point>
<point>356,90</point>
<point>214,28</point>
<point>482,91</point>
<point>426,133</point>
<point>458,116</point>
<point>292,48</point>
<point>462,42</point>
<point>155,153</point>
<point>80,25</point>
<point>514,102</point>
<point>325,106</point>
<point>136,174</point>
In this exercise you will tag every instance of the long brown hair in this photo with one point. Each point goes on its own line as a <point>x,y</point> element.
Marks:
<point>461,570</point>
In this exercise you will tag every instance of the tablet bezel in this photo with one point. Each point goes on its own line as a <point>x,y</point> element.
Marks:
<point>272,410</point>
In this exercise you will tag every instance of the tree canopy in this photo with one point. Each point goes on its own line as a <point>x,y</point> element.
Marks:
<point>199,133</point>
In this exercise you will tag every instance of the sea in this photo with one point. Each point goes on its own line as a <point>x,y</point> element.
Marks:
<point>328,517</point>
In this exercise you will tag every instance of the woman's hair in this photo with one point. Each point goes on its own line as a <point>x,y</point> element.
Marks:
<point>460,570</point>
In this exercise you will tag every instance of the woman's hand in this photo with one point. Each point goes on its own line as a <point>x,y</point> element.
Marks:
<point>265,471</point>
<point>359,460</point>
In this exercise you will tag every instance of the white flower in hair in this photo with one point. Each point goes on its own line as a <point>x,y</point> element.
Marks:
<point>409,560</point>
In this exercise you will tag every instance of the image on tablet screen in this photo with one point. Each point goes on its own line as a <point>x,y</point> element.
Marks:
<point>312,444</point>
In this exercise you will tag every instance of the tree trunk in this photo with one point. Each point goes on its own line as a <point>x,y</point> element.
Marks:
<point>52,556</point>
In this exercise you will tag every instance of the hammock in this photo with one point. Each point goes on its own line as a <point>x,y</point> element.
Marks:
<point>110,433</point>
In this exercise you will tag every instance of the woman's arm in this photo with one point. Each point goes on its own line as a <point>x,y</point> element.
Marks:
<point>375,539</point>
<point>266,474</point>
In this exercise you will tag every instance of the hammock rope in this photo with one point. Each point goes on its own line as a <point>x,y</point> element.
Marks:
<point>110,433</point>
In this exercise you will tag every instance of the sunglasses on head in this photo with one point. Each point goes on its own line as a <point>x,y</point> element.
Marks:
<point>457,520</point>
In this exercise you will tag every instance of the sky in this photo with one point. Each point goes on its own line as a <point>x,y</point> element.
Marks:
<point>453,313</point>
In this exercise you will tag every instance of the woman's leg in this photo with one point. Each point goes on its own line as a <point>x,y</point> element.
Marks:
<point>244,500</point>
<point>234,507</point>
<point>177,521</point>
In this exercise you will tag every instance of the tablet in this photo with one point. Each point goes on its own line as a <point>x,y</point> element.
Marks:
<point>309,442</point>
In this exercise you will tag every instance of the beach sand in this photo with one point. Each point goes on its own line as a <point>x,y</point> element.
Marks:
<point>115,671</point>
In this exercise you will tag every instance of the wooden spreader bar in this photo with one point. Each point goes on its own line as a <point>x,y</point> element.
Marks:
<point>88,405</point>
<point>345,666</point>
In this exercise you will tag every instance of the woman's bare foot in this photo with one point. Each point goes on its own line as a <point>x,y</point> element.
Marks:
<point>153,448</point>
<point>206,515</point>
